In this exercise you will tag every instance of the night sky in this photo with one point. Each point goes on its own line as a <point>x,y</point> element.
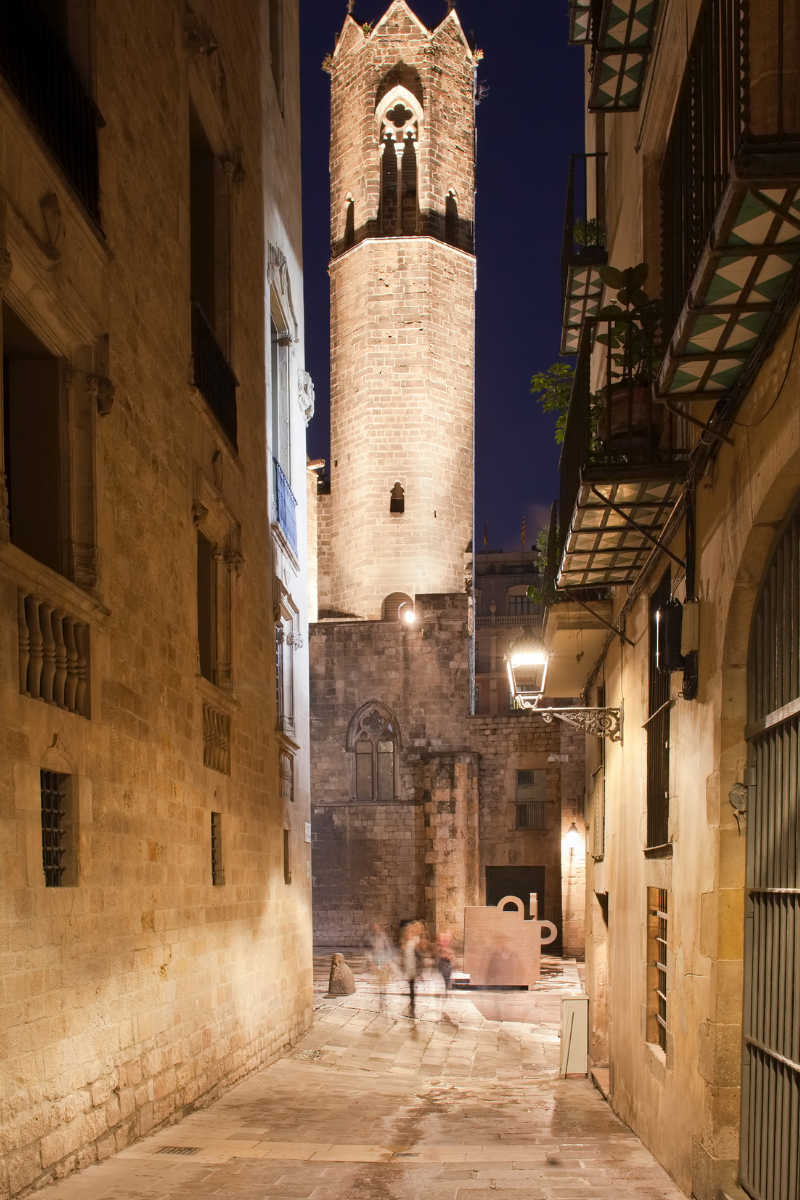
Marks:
<point>528,124</point>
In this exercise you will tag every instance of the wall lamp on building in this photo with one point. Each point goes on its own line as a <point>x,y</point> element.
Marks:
<point>406,613</point>
<point>527,669</point>
<point>572,839</point>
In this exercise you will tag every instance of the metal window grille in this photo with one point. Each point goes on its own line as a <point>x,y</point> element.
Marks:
<point>770,1128</point>
<point>530,814</point>
<point>217,871</point>
<point>660,915</point>
<point>54,801</point>
<point>287,865</point>
<point>658,730</point>
<point>285,506</point>
<point>213,375</point>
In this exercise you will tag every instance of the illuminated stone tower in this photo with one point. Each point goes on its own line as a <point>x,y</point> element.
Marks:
<point>399,515</point>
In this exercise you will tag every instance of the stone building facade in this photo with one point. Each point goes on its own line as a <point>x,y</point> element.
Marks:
<point>155,936</point>
<point>419,808</point>
<point>693,895</point>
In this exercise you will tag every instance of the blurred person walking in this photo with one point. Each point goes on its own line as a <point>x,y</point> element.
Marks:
<point>444,958</point>
<point>409,945</point>
<point>381,959</point>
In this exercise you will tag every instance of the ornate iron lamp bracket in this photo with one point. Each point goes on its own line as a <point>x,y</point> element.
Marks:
<point>603,722</point>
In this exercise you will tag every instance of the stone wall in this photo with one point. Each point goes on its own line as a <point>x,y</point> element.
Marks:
<point>141,990</point>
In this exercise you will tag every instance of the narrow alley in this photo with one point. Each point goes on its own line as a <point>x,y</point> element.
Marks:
<point>463,1103</point>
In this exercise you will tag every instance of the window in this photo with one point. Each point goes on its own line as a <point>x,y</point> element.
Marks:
<point>285,641</point>
<point>59,851</point>
<point>276,47</point>
<point>657,899</point>
<point>399,116</point>
<point>658,729</point>
<point>217,872</point>
<point>397,499</point>
<point>372,737</point>
<point>34,439</point>
<point>206,607</point>
<point>287,776</point>
<point>281,414</point>
<point>521,606</point>
<point>287,862</point>
<point>531,794</point>
<point>210,278</point>
<point>349,225</point>
<point>451,219</point>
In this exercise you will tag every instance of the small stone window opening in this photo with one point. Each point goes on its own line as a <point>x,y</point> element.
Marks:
<point>217,870</point>
<point>531,792</point>
<point>451,219</point>
<point>55,831</point>
<point>349,225</point>
<point>374,742</point>
<point>287,864</point>
<point>397,499</point>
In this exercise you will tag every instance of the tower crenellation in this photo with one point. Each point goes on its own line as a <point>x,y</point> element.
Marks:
<point>402,311</point>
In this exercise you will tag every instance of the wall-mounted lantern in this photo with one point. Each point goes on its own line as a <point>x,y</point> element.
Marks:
<point>527,669</point>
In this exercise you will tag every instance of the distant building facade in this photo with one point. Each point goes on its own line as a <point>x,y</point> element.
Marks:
<point>419,808</point>
<point>154,786</point>
<point>503,610</point>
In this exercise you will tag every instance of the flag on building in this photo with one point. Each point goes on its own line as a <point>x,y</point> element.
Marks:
<point>486,534</point>
<point>523,535</point>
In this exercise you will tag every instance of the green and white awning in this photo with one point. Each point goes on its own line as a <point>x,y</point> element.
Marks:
<point>602,547</point>
<point>584,290</point>
<point>579,22</point>
<point>753,248</point>
<point>623,43</point>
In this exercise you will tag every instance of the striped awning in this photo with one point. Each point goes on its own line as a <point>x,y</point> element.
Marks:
<point>623,42</point>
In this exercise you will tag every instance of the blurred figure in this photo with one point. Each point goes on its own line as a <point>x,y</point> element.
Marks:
<point>381,959</point>
<point>409,945</point>
<point>444,958</point>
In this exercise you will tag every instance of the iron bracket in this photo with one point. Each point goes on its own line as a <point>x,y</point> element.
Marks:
<point>602,722</point>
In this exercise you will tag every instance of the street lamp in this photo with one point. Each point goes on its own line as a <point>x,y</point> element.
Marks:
<point>527,669</point>
<point>572,839</point>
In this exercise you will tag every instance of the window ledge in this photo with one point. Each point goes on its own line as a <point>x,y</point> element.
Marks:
<point>38,578</point>
<point>664,851</point>
<point>216,695</point>
<point>280,536</point>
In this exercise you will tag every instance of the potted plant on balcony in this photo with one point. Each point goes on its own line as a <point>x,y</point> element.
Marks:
<point>630,423</point>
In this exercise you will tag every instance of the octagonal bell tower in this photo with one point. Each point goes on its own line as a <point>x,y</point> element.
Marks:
<point>399,514</point>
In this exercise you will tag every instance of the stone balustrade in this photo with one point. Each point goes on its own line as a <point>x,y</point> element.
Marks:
<point>53,655</point>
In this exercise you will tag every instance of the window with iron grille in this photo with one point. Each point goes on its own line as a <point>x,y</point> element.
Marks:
<point>217,870</point>
<point>54,833</point>
<point>287,864</point>
<point>657,728</point>
<point>531,793</point>
<point>657,900</point>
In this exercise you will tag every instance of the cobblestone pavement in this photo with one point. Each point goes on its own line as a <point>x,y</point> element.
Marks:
<point>463,1103</point>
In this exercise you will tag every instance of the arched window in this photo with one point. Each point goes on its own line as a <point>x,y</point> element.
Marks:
<point>397,499</point>
<point>349,224</point>
<point>451,218</point>
<point>396,605</point>
<point>373,738</point>
<point>399,115</point>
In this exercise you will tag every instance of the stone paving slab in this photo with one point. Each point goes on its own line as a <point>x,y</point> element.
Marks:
<point>463,1103</point>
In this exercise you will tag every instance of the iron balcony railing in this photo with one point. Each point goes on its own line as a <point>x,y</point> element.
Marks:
<point>213,376</point>
<point>618,431</point>
<point>285,506</point>
<point>721,113</point>
<point>583,248</point>
<point>36,65</point>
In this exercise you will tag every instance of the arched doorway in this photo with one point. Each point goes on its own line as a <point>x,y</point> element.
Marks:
<point>770,1130</point>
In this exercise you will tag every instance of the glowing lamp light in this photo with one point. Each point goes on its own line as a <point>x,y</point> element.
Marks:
<point>527,669</point>
<point>409,616</point>
<point>572,839</point>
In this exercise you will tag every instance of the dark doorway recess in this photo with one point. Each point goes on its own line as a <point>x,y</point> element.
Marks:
<point>516,881</point>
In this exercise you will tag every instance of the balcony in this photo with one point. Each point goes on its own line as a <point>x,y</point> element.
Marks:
<point>285,507</point>
<point>41,74</point>
<point>213,376</point>
<point>622,466</point>
<point>583,249</point>
<point>731,197</point>
<point>621,36</point>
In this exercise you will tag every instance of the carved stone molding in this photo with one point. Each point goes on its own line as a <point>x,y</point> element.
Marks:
<point>85,566</point>
<point>199,512</point>
<point>278,277</point>
<point>295,639</point>
<point>55,229</point>
<point>235,560</point>
<point>102,390</point>
<point>305,394</point>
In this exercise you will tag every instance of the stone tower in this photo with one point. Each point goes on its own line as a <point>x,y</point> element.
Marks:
<point>399,515</point>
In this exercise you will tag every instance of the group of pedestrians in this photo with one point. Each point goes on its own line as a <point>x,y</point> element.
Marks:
<point>413,953</point>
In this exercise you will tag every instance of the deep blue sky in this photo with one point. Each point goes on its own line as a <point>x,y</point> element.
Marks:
<point>529,123</point>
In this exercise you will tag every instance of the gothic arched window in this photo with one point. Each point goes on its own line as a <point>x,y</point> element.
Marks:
<point>373,738</point>
<point>451,218</point>
<point>399,116</point>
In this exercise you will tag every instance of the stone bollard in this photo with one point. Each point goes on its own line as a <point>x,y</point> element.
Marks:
<point>341,982</point>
